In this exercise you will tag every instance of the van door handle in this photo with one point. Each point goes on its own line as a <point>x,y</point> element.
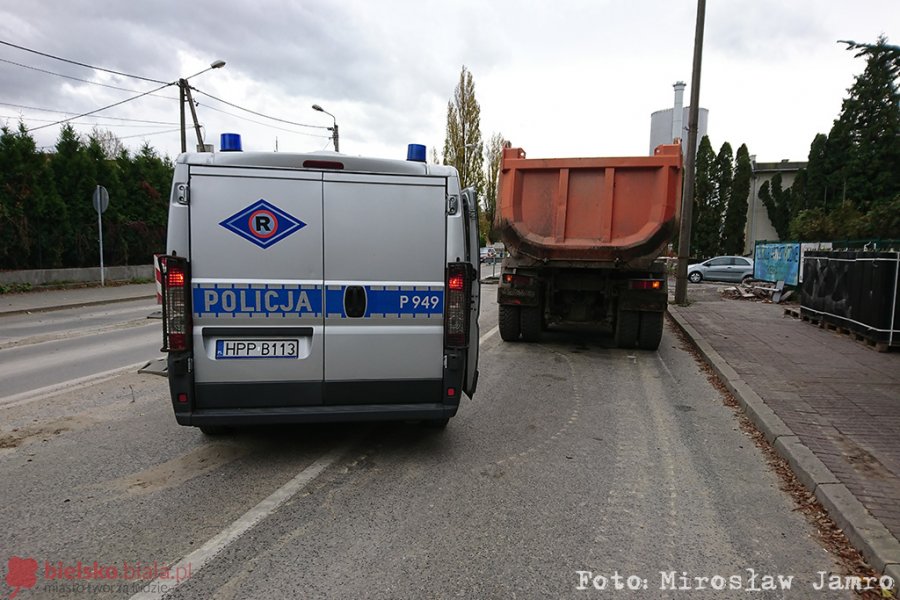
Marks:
<point>355,301</point>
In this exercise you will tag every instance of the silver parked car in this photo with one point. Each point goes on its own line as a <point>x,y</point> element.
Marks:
<point>721,268</point>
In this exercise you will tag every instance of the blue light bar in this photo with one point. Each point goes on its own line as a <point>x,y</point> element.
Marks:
<point>230,142</point>
<point>415,152</point>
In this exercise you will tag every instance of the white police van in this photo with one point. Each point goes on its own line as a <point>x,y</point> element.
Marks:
<point>318,287</point>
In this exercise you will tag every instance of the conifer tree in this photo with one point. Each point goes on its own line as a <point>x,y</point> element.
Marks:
<point>736,209</point>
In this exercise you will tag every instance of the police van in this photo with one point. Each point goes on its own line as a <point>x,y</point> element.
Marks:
<point>318,287</point>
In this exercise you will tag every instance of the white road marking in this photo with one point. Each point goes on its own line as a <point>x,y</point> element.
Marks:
<point>196,560</point>
<point>67,386</point>
<point>484,338</point>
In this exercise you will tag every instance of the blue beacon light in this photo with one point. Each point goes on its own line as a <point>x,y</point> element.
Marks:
<point>415,153</point>
<point>230,142</point>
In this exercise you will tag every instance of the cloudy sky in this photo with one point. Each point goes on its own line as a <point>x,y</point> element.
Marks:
<point>560,78</point>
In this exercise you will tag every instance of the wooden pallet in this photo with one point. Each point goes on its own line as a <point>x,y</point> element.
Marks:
<point>853,335</point>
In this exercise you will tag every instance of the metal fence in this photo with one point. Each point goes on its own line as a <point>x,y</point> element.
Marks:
<point>854,289</point>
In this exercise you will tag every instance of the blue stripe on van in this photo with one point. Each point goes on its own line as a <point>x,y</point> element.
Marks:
<point>425,301</point>
<point>267,300</point>
<point>309,300</point>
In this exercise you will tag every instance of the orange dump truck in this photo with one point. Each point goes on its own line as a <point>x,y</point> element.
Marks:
<point>584,236</point>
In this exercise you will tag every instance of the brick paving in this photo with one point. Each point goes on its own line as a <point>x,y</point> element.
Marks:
<point>840,397</point>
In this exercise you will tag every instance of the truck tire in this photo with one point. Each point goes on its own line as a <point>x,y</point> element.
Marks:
<point>532,321</point>
<point>510,325</point>
<point>628,325</point>
<point>651,330</point>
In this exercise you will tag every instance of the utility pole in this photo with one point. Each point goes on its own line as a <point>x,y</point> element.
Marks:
<point>190,100</point>
<point>184,95</point>
<point>181,106</point>
<point>333,129</point>
<point>687,199</point>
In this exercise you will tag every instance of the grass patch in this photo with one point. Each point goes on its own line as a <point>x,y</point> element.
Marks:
<point>14,288</point>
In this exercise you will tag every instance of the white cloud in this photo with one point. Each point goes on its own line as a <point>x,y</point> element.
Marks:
<point>560,79</point>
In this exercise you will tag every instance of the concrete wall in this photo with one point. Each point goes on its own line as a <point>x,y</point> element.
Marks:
<point>45,276</point>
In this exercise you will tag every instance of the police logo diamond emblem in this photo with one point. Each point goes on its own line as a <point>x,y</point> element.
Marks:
<point>263,224</point>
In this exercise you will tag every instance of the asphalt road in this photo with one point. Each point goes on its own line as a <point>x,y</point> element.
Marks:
<point>50,348</point>
<point>573,457</point>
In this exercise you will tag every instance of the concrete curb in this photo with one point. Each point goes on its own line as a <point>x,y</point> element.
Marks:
<point>40,309</point>
<point>866,533</point>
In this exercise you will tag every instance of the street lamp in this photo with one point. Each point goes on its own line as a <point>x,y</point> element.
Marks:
<point>184,94</point>
<point>333,130</point>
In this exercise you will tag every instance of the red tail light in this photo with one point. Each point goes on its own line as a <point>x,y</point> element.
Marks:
<point>323,164</point>
<point>645,284</point>
<point>516,281</point>
<point>456,306</point>
<point>176,305</point>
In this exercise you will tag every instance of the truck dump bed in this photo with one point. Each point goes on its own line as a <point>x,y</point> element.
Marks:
<point>589,211</point>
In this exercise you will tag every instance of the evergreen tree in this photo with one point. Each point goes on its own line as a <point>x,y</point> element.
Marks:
<point>777,201</point>
<point>736,209</point>
<point>47,218</point>
<point>146,179</point>
<point>75,175</point>
<point>724,173</point>
<point>15,188</point>
<point>463,145</point>
<point>706,214</point>
<point>866,168</point>
<point>816,188</point>
<point>39,229</point>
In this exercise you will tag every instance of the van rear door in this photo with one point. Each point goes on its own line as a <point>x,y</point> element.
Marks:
<point>473,257</point>
<point>257,274</point>
<point>385,265</point>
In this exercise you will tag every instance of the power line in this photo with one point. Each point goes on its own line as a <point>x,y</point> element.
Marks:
<point>259,114</point>
<point>81,64</point>
<point>165,85</point>
<point>149,134</point>
<point>83,123</point>
<point>68,112</point>
<point>106,85</point>
<point>225,112</point>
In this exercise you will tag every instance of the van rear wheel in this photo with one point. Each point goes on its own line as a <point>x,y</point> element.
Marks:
<point>510,324</point>
<point>436,423</point>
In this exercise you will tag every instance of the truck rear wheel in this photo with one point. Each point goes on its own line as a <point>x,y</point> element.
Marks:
<point>628,324</point>
<point>510,325</point>
<point>651,330</point>
<point>532,320</point>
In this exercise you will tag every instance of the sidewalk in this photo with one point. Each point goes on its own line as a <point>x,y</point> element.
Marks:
<point>39,301</point>
<point>829,405</point>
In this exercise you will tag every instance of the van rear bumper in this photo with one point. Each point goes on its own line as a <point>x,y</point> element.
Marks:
<point>315,414</point>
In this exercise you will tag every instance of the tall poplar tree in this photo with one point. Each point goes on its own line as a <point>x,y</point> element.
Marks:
<point>463,145</point>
